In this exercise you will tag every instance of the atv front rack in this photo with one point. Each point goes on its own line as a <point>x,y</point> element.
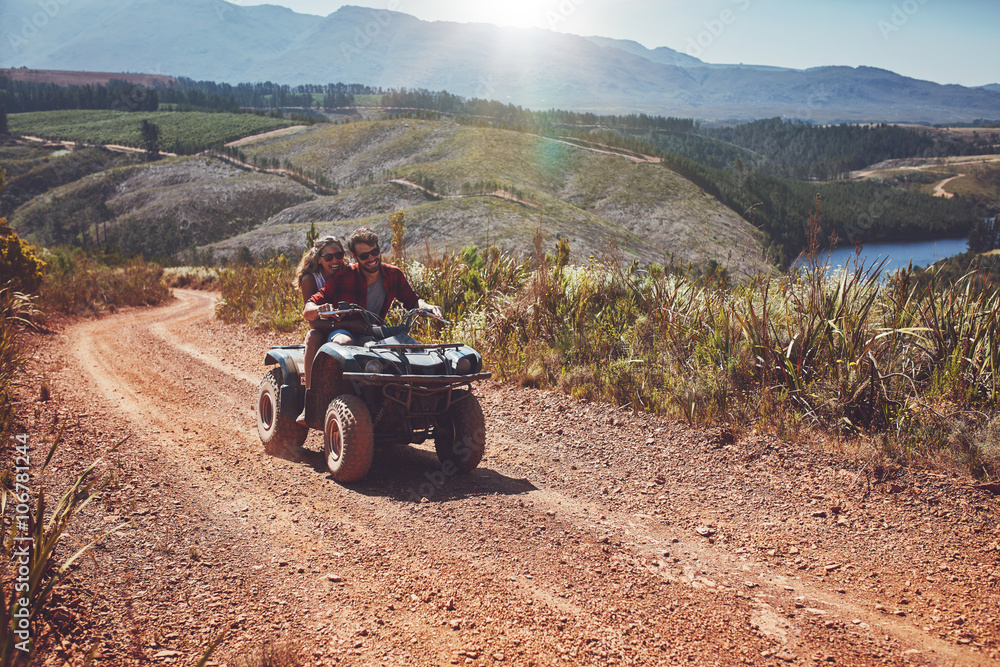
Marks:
<point>385,378</point>
<point>418,346</point>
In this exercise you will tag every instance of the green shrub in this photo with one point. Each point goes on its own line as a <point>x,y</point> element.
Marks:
<point>18,263</point>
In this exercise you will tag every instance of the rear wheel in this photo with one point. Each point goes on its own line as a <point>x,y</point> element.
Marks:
<point>460,435</point>
<point>348,443</point>
<point>278,432</point>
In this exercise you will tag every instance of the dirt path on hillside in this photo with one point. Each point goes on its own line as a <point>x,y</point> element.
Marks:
<point>588,535</point>
<point>280,132</point>
<point>939,190</point>
<point>72,145</point>
<point>920,164</point>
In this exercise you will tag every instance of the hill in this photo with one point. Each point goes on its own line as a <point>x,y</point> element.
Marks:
<point>530,67</point>
<point>159,208</point>
<point>457,185</point>
<point>76,78</point>
<point>461,184</point>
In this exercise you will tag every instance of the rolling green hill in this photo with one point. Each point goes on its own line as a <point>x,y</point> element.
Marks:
<point>596,200</point>
<point>457,184</point>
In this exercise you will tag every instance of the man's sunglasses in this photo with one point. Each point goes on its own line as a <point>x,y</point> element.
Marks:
<point>332,255</point>
<point>362,256</point>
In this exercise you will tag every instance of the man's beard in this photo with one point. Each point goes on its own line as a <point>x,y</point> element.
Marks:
<point>375,268</point>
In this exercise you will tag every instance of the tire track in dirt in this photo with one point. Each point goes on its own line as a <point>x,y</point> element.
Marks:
<point>528,558</point>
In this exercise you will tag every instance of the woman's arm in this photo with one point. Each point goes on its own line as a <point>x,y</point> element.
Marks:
<point>311,311</point>
<point>307,284</point>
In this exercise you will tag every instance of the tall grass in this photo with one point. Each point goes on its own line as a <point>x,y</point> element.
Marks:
<point>908,365</point>
<point>76,283</point>
<point>261,296</point>
<point>43,529</point>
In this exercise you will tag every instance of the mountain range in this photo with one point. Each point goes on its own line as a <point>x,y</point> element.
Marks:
<point>535,68</point>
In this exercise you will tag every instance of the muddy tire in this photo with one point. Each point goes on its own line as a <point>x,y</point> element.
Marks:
<point>348,443</point>
<point>460,435</point>
<point>279,433</point>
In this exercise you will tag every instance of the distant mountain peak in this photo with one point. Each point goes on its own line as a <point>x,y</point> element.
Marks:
<point>534,68</point>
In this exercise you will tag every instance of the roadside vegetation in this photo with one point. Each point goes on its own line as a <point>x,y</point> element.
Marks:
<point>906,368</point>
<point>68,282</point>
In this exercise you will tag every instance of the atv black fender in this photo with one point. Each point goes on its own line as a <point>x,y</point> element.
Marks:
<point>289,359</point>
<point>327,380</point>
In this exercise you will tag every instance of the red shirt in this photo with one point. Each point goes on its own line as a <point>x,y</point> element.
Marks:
<point>351,286</point>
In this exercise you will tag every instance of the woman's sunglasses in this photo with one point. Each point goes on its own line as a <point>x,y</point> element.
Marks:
<point>374,252</point>
<point>326,257</point>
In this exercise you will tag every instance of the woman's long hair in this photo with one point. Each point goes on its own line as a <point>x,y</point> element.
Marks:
<point>310,258</point>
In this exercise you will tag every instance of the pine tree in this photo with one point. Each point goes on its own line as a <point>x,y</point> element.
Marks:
<point>311,236</point>
<point>151,139</point>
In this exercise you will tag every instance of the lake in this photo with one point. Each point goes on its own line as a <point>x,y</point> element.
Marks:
<point>898,255</point>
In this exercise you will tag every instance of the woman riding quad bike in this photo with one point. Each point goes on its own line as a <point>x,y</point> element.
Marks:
<point>388,389</point>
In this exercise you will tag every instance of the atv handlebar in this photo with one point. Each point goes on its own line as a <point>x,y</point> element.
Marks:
<point>344,308</point>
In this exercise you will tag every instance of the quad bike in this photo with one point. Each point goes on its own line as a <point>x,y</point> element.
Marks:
<point>389,389</point>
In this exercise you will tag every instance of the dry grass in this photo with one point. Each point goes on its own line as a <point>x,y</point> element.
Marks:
<point>78,284</point>
<point>192,277</point>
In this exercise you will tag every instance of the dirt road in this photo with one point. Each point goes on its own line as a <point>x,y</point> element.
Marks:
<point>588,535</point>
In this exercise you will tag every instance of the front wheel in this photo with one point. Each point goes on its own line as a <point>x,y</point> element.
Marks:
<point>279,433</point>
<point>348,442</point>
<point>460,435</point>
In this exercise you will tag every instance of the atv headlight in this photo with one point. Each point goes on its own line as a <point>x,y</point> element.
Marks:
<point>463,366</point>
<point>373,366</point>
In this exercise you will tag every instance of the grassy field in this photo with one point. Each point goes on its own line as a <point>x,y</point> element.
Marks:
<point>980,180</point>
<point>367,100</point>
<point>187,132</point>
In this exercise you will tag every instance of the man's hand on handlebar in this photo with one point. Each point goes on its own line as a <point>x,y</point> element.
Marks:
<point>434,310</point>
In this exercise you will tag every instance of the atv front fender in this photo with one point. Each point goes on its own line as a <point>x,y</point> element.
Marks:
<point>290,359</point>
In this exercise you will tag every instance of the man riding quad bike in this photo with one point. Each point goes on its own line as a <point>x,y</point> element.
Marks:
<point>388,389</point>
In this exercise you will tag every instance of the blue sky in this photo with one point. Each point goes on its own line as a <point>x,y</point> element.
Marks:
<point>946,42</point>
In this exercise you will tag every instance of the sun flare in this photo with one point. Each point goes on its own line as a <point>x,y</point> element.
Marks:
<point>521,13</point>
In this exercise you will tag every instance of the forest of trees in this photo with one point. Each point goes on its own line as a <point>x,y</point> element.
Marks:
<point>23,96</point>
<point>804,151</point>
<point>985,234</point>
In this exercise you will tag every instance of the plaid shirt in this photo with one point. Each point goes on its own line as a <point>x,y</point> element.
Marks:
<point>352,286</point>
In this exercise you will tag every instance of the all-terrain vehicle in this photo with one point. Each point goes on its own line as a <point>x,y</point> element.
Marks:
<point>389,389</point>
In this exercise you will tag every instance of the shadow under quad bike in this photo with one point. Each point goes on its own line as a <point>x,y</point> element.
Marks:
<point>388,389</point>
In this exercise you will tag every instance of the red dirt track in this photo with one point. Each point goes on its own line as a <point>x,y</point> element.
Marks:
<point>588,536</point>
